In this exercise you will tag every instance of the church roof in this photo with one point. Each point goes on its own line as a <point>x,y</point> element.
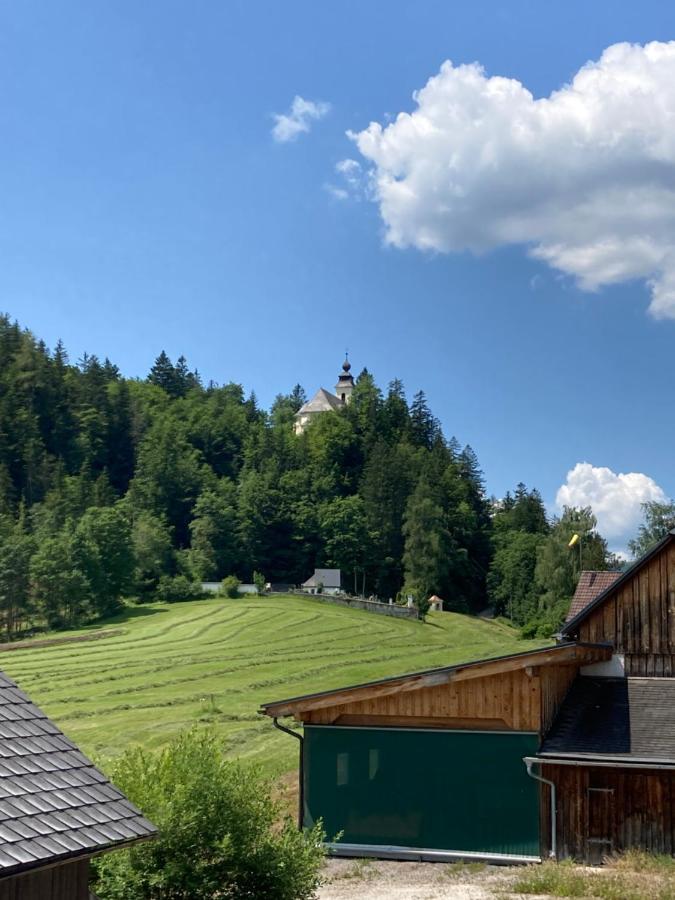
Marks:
<point>322,401</point>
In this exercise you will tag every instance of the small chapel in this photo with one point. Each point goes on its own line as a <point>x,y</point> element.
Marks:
<point>323,401</point>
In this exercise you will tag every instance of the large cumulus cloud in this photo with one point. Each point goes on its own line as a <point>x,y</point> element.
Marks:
<point>584,178</point>
<point>616,498</point>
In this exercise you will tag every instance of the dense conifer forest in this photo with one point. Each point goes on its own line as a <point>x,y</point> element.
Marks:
<point>113,487</point>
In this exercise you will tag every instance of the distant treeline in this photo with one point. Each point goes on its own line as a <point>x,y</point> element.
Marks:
<point>109,487</point>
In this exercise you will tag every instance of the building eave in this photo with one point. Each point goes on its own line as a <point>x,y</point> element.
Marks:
<point>562,654</point>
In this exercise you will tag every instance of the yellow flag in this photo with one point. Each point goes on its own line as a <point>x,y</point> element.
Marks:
<point>574,540</point>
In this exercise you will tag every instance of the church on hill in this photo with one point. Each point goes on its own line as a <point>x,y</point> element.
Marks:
<point>324,401</point>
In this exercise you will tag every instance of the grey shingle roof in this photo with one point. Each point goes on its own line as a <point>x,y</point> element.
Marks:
<point>627,719</point>
<point>54,803</point>
<point>329,578</point>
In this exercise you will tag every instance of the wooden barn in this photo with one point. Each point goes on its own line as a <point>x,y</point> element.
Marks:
<point>57,810</point>
<point>568,751</point>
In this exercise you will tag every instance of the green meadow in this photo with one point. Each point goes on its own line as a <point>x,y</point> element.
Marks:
<point>165,668</point>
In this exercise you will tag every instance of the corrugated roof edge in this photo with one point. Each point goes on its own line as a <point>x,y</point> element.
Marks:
<point>463,665</point>
<point>568,628</point>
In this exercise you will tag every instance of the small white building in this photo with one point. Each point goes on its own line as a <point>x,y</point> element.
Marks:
<point>323,401</point>
<point>328,581</point>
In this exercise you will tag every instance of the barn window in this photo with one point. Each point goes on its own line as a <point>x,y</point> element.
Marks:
<point>342,769</point>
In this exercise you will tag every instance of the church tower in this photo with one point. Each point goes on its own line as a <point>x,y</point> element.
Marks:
<point>323,401</point>
<point>345,385</point>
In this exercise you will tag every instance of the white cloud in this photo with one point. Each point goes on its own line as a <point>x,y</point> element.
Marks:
<point>336,192</point>
<point>287,126</point>
<point>614,498</point>
<point>585,178</point>
<point>353,181</point>
<point>350,169</point>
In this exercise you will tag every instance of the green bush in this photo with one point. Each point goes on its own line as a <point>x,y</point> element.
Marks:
<point>178,589</point>
<point>229,587</point>
<point>220,838</point>
<point>259,581</point>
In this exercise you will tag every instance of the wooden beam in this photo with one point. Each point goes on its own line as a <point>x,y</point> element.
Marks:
<point>461,724</point>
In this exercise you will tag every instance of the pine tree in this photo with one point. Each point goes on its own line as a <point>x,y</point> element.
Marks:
<point>424,427</point>
<point>427,545</point>
<point>163,374</point>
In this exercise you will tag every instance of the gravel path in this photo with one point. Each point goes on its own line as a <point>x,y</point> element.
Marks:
<point>349,879</point>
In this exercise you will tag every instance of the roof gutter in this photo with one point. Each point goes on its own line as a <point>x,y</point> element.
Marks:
<point>529,762</point>
<point>612,762</point>
<point>301,768</point>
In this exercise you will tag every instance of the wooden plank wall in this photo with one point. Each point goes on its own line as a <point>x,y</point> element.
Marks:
<point>639,618</point>
<point>522,700</point>
<point>511,700</point>
<point>555,683</point>
<point>605,810</point>
<point>69,881</point>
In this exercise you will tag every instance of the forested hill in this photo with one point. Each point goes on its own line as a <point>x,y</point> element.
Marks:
<point>111,486</point>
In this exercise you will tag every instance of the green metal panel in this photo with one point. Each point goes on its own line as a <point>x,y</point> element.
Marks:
<point>430,789</point>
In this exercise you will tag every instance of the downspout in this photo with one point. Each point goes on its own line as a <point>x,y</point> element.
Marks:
<point>301,769</point>
<point>553,852</point>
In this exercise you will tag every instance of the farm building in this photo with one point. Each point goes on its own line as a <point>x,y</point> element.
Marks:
<point>56,809</point>
<point>324,581</point>
<point>568,751</point>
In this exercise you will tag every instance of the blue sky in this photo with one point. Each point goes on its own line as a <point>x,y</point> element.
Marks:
<point>146,205</point>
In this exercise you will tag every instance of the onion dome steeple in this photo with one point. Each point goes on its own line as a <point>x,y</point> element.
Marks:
<point>345,384</point>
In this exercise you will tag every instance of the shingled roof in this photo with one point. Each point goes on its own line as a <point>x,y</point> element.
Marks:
<point>55,805</point>
<point>329,578</point>
<point>322,401</point>
<point>591,585</point>
<point>626,719</point>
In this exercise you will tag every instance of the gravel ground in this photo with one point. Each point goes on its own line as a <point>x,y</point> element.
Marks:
<point>350,879</point>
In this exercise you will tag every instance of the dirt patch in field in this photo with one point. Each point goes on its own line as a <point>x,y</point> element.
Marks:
<point>286,792</point>
<point>50,642</point>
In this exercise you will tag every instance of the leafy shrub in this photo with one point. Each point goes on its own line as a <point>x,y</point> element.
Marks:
<point>259,581</point>
<point>178,589</point>
<point>229,587</point>
<point>220,834</point>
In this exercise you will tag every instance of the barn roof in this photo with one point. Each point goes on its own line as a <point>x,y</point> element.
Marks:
<point>618,719</point>
<point>560,654</point>
<point>591,585</point>
<point>55,805</point>
<point>570,626</point>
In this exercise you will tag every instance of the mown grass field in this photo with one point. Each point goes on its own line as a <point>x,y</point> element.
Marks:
<point>212,662</point>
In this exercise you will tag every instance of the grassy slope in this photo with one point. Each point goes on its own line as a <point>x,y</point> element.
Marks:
<point>215,661</point>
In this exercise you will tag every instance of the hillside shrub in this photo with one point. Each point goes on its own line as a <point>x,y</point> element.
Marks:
<point>178,589</point>
<point>229,587</point>
<point>220,838</point>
